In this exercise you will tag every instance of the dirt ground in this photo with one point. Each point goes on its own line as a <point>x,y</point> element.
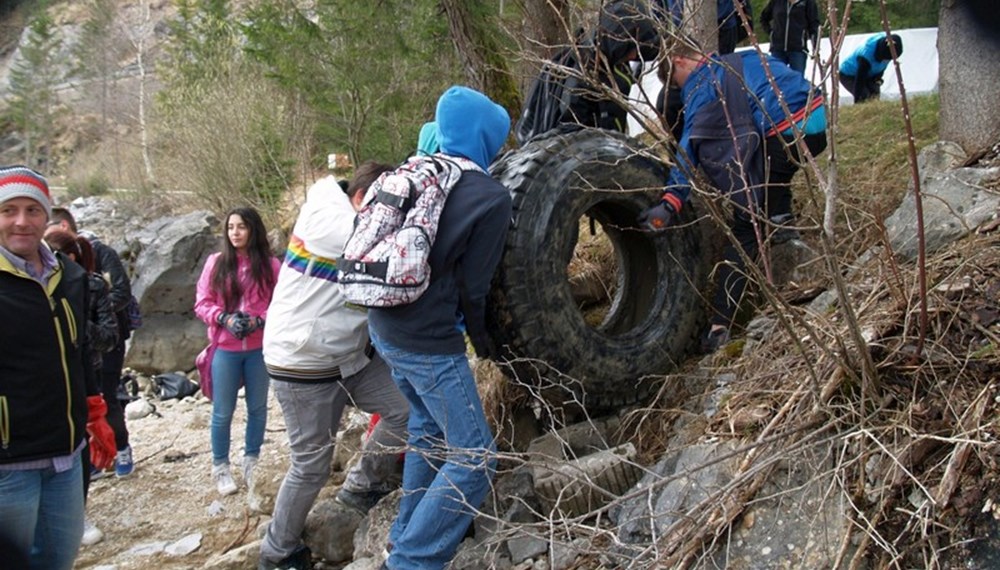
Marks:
<point>170,494</point>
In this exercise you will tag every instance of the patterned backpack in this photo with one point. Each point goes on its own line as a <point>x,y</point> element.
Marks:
<point>385,261</point>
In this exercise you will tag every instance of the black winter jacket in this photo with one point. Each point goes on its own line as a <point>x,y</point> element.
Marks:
<point>102,324</point>
<point>44,382</point>
<point>791,24</point>
<point>108,262</point>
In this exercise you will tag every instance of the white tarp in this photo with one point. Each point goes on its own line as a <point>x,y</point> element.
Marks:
<point>918,64</point>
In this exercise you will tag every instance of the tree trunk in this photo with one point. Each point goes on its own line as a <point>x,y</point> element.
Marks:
<point>548,26</point>
<point>700,23</point>
<point>969,71</point>
<point>476,37</point>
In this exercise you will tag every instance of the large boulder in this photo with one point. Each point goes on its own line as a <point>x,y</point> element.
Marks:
<point>171,254</point>
<point>955,202</point>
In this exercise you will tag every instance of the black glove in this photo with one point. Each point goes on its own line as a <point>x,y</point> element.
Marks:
<point>256,323</point>
<point>238,323</point>
<point>657,218</point>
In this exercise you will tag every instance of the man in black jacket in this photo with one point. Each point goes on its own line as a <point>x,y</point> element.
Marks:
<point>49,400</point>
<point>109,264</point>
<point>790,23</point>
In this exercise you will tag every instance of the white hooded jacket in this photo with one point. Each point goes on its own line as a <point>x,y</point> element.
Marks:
<point>312,335</point>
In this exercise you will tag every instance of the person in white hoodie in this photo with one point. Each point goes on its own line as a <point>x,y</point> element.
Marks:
<point>319,358</point>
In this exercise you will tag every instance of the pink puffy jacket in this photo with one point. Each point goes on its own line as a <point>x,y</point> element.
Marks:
<point>209,305</point>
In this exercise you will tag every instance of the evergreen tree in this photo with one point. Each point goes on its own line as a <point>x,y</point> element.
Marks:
<point>370,71</point>
<point>33,80</point>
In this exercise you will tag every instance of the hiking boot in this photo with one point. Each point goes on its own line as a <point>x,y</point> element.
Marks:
<point>716,339</point>
<point>299,559</point>
<point>123,462</point>
<point>254,500</point>
<point>784,230</point>
<point>91,534</point>
<point>223,479</point>
<point>361,501</point>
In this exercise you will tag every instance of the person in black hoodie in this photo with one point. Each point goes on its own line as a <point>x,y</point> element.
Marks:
<point>572,91</point>
<point>790,23</point>
<point>107,262</point>
<point>49,400</point>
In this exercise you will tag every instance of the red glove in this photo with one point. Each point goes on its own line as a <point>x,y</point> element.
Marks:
<point>102,438</point>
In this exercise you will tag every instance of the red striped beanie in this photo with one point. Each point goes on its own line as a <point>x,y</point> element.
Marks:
<point>23,182</point>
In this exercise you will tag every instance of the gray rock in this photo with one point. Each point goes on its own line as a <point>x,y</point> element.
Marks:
<point>330,531</point>
<point>172,252</point>
<point>955,202</point>
<point>240,558</point>
<point>564,556</point>
<point>372,534</point>
<point>186,545</point>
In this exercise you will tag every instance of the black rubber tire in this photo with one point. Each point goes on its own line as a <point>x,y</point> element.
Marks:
<point>657,310</point>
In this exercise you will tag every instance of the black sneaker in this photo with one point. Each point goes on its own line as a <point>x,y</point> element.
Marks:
<point>715,340</point>
<point>361,501</point>
<point>299,559</point>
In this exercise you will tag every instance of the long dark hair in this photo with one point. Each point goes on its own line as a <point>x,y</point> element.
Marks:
<point>224,276</point>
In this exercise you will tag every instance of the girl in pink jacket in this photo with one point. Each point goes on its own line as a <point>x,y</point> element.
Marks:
<point>233,293</point>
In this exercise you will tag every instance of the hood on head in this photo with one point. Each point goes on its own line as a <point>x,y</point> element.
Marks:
<point>882,52</point>
<point>470,125</point>
<point>625,25</point>
<point>427,143</point>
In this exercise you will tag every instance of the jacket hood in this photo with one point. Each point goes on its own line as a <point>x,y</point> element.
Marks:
<point>882,52</point>
<point>624,25</point>
<point>427,143</point>
<point>471,125</point>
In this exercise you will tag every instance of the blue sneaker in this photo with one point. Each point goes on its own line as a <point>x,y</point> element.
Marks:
<point>123,462</point>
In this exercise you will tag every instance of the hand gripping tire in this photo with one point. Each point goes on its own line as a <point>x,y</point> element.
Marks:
<point>656,311</point>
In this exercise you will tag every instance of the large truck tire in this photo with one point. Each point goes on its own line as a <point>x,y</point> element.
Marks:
<point>656,311</point>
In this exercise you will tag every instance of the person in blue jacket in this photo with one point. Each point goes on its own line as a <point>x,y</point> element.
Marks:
<point>734,125</point>
<point>450,455</point>
<point>861,72</point>
<point>799,122</point>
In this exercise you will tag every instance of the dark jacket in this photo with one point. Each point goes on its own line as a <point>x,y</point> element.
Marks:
<point>102,325</point>
<point>471,233</point>
<point>43,407</point>
<point>790,25</point>
<point>108,262</point>
<point>623,26</point>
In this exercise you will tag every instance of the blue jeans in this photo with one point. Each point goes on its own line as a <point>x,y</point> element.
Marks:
<point>41,517</point>
<point>795,59</point>
<point>230,369</point>
<point>450,458</point>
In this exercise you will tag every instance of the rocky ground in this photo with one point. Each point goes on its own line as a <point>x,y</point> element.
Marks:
<point>171,496</point>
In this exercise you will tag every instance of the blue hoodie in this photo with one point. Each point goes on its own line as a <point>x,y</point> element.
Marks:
<point>471,125</point>
<point>427,143</point>
<point>469,243</point>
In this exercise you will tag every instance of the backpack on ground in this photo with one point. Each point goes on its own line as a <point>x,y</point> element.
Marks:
<point>549,98</point>
<point>385,261</point>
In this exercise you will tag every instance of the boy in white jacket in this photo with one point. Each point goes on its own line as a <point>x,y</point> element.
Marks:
<point>319,358</point>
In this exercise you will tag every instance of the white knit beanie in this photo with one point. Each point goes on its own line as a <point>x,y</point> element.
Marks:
<point>23,182</point>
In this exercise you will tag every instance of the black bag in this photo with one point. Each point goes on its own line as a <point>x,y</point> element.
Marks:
<point>549,97</point>
<point>174,385</point>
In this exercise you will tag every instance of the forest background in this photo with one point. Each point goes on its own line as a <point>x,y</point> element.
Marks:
<point>218,102</point>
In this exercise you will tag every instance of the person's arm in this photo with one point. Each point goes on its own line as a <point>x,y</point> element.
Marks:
<point>812,23</point>
<point>208,301</point>
<point>102,328</point>
<point>479,262</point>
<point>765,18</point>
<point>111,264</point>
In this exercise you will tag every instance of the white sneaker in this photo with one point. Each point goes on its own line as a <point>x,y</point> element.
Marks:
<point>91,534</point>
<point>254,500</point>
<point>223,479</point>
